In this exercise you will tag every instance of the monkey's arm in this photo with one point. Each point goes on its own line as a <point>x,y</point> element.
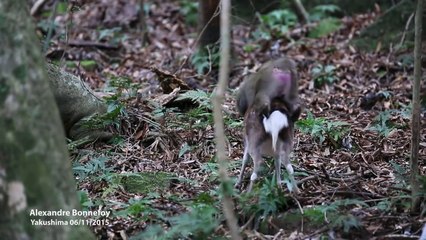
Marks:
<point>246,94</point>
<point>262,103</point>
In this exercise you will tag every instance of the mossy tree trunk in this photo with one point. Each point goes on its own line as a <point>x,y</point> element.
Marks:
<point>35,171</point>
<point>77,104</point>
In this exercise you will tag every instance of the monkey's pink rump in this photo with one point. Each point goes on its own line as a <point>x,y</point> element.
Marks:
<point>283,76</point>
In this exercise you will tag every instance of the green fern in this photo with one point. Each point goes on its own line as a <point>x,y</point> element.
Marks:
<point>265,201</point>
<point>335,215</point>
<point>198,223</point>
<point>206,58</point>
<point>278,22</point>
<point>323,11</point>
<point>383,124</point>
<point>322,129</point>
<point>197,96</point>
<point>347,222</point>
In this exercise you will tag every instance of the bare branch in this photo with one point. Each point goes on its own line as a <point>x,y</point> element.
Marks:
<point>301,11</point>
<point>415,119</point>
<point>228,206</point>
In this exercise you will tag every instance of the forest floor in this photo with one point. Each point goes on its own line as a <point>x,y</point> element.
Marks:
<point>351,149</point>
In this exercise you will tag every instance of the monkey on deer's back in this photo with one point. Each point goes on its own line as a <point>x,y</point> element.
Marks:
<point>268,99</point>
<point>276,78</point>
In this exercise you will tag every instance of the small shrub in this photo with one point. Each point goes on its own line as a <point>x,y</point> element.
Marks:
<point>96,167</point>
<point>249,48</point>
<point>197,96</point>
<point>325,27</point>
<point>322,129</point>
<point>334,214</point>
<point>140,209</point>
<point>267,200</point>
<point>324,11</point>
<point>85,200</point>
<point>198,223</point>
<point>206,59</point>
<point>382,123</point>
<point>189,9</point>
<point>112,35</point>
<point>323,75</point>
<point>275,23</point>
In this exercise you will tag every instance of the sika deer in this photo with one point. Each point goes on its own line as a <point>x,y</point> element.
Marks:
<point>269,136</point>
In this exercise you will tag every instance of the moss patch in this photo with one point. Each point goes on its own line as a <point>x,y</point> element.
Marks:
<point>147,182</point>
<point>388,29</point>
<point>325,27</point>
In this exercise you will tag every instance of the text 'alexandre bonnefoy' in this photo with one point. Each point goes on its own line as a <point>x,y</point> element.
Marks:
<point>68,213</point>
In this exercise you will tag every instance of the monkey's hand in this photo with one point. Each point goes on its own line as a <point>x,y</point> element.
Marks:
<point>263,108</point>
<point>295,112</point>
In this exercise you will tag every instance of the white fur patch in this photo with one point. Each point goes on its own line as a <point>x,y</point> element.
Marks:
<point>423,236</point>
<point>273,125</point>
<point>253,177</point>
<point>289,168</point>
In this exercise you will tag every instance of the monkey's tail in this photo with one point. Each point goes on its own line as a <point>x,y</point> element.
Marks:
<point>273,125</point>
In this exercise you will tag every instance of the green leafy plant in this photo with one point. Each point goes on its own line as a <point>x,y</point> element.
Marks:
<point>323,75</point>
<point>262,32</point>
<point>401,174</point>
<point>198,96</point>
<point>324,11</point>
<point>203,113</point>
<point>278,22</point>
<point>201,116</point>
<point>384,205</point>
<point>115,109</point>
<point>422,194</point>
<point>325,27</point>
<point>184,149</point>
<point>206,59</point>
<point>198,223</point>
<point>267,200</point>
<point>140,209</point>
<point>85,200</point>
<point>271,198</point>
<point>122,88</point>
<point>46,24</point>
<point>406,110</point>
<point>322,129</point>
<point>189,9</point>
<point>112,35</point>
<point>96,167</point>
<point>89,65</point>
<point>382,123</point>
<point>212,168</point>
<point>346,222</point>
<point>233,123</point>
<point>334,215</point>
<point>249,48</point>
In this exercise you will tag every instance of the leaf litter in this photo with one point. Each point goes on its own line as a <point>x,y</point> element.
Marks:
<point>370,163</point>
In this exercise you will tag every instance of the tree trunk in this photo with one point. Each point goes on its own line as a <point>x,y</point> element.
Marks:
<point>301,11</point>
<point>35,173</point>
<point>76,103</point>
<point>142,26</point>
<point>415,118</point>
<point>209,22</point>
